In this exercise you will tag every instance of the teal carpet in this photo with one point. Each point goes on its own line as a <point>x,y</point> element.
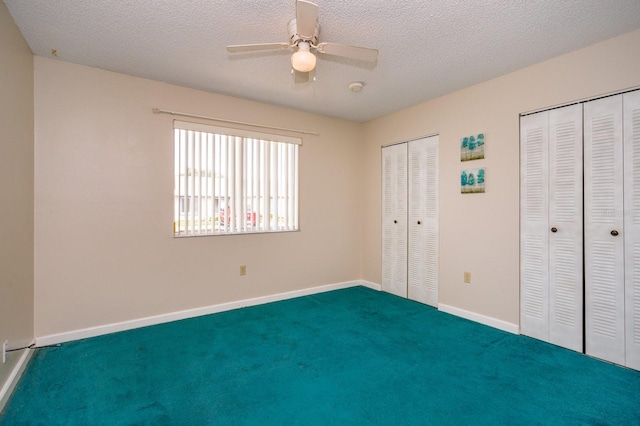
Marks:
<point>347,357</point>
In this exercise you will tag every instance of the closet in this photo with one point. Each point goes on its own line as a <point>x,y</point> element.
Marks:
<point>410,220</point>
<point>580,227</point>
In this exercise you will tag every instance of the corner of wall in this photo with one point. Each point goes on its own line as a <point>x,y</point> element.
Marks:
<point>16,185</point>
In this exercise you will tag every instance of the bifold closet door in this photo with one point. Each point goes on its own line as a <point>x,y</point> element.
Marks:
<point>566,294</point>
<point>423,223</point>
<point>410,223</point>
<point>534,225</point>
<point>551,266</point>
<point>394,219</point>
<point>631,115</point>
<point>604,229</point>
<point>551,226</point>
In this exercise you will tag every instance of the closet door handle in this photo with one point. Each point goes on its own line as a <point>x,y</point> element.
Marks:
<point>418,222</point>
<point>395,221</point>
<point>614,233</point>
<point>554,229</point>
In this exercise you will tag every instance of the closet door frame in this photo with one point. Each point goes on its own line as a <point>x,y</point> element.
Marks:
<point>631,117</point>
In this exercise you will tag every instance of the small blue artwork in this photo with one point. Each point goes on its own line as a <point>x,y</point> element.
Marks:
<point>472,147</point>
<point>472,180</point>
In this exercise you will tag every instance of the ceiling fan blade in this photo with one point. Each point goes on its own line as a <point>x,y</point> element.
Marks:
<point>306,18</point>
<point>360,53</point>
<point>253,47</point>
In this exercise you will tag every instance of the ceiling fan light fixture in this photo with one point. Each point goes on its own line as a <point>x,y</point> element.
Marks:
<point>303,60</point>
<point>303,31</point>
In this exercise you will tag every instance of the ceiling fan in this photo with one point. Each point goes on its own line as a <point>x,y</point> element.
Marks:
<point>303,39</point>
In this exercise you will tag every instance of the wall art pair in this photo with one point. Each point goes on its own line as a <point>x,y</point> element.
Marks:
<point>472,148</point>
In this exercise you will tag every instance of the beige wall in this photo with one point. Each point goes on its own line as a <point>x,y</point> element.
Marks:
<point>103,192</point>
<point>16,187</point>
<point>104,243</point>
<point>480,232</point>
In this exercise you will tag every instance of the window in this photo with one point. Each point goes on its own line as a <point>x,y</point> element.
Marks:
<point>230,181</point>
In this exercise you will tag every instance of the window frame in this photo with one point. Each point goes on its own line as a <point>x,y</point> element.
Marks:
<point>243,182</point>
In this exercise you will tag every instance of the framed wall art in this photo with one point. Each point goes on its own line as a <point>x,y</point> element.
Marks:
<point>472,147</point>
<point>473,180</point>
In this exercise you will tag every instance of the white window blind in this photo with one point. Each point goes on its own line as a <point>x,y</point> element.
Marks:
<point>230,181</point>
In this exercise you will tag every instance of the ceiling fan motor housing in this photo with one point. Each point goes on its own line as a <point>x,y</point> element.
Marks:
<point>296,38</point>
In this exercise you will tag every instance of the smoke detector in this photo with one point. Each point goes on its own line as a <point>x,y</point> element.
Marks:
<point>356,86</point>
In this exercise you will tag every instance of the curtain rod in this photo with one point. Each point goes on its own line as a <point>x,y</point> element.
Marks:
<point>184,114</point>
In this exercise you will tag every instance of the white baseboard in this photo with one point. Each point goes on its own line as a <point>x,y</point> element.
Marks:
<point>84,333</point>
<point>370,285</point>
<point>14,376</point>
<point>482,319</point>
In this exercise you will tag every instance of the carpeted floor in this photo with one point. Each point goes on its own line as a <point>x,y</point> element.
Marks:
<point>347,357</point>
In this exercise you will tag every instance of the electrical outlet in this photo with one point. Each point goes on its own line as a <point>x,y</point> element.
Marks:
<point>243,269</point>
<point>4,351</point>
<point>467,277</point>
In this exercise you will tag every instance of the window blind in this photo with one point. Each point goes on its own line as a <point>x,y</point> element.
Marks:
<point>230,181</point>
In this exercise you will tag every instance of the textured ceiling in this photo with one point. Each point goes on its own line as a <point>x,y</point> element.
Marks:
<point>427,48</point>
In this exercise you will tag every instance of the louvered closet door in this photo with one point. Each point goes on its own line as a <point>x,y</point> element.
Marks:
<point>631,113</point>
<point>423,221</point>
<point>394,219</point>
<point>551,226</point>
<point>604,233</point>
<point>534,226</point>
<point>565,227</point>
